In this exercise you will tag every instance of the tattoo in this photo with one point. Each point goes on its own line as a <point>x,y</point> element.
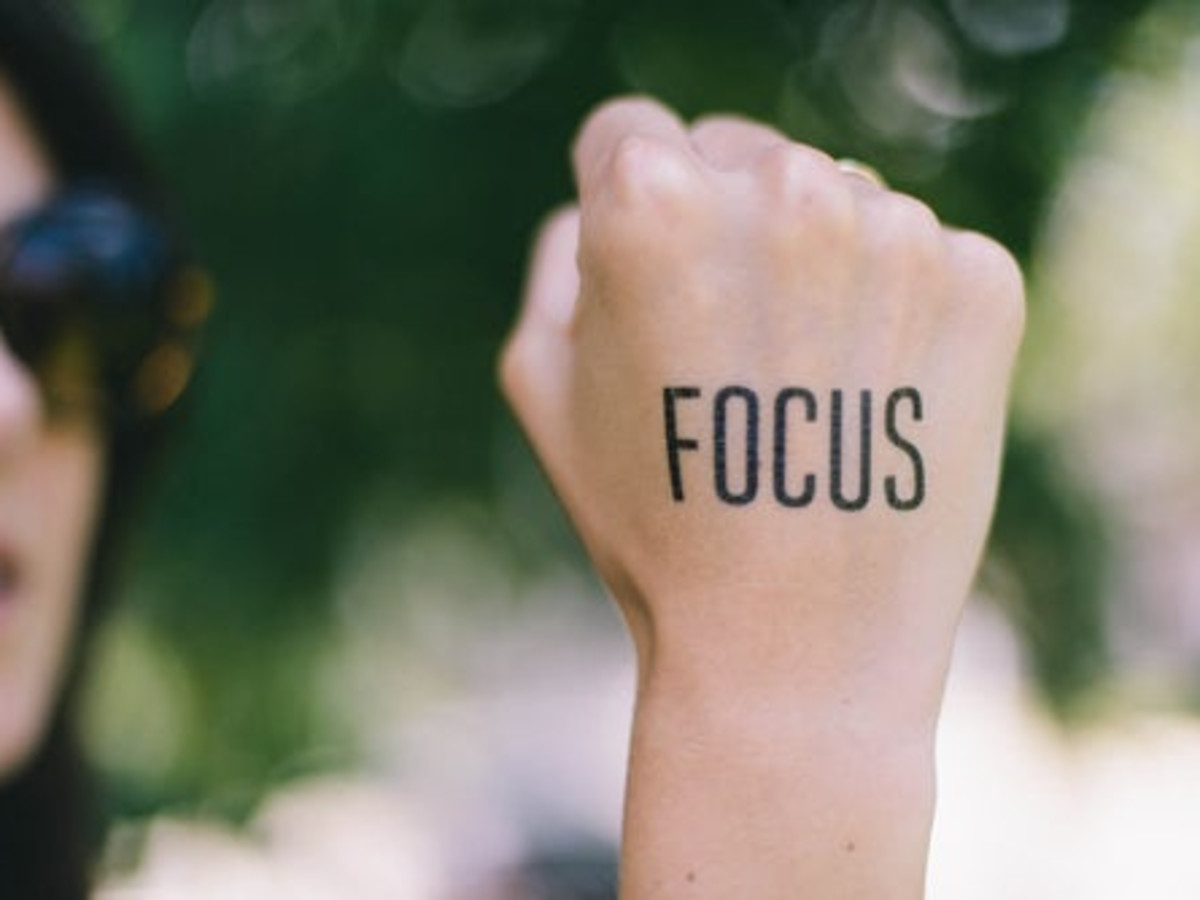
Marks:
<point>864,454</point>
<point>805,496</point>
<point>905,446</point>
<point>735,424</point>
<point>674,442</point>
<point>720,469</point>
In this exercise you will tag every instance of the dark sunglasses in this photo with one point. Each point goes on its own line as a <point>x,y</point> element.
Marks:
<point>91,275</point>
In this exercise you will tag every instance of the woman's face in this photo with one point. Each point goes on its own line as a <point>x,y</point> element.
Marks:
<point>50,477</point>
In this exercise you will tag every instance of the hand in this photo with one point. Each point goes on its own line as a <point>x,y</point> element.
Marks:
<point>771,395</point>
<point>726,273</point>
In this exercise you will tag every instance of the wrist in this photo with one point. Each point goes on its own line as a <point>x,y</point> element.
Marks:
<point>773,720</point>
<point>761,658</point>
<point>773,800</point>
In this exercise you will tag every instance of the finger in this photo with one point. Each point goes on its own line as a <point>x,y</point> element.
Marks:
<point>730,142</point>
<point>552,284</point>
<point>615,121</point>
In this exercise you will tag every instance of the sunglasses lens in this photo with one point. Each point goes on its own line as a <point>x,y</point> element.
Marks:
<point>34,323</point>
<point>86,267</point>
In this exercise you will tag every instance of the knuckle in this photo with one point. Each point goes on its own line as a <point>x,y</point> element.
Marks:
<point>806,190</point>
<point>993,275</point>
<point>610,114</point>
<point>711,122</point>
<point>645,170</point>
<point>787,167</point>
<point>910,225</point>
<point>735,129</point>
<point>627,106</point>
<point>653,201</point>
<point>512,368</point>
<point>907,240</point>
<point>794,172</point>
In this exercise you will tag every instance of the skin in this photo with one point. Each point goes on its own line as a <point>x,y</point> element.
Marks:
<point>791,662</point>
<point>50,478</point>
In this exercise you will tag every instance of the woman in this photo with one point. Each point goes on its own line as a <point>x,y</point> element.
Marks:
<point>95,312</point>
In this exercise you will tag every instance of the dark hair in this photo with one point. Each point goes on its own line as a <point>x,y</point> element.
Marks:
<point>48,829</point>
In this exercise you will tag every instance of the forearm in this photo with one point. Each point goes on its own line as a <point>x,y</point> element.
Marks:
<point>772,799</point>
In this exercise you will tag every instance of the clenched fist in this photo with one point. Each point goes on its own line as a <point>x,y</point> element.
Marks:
<point>771,395</point>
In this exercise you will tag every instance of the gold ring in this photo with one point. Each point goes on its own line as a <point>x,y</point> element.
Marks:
<point>861,170</point>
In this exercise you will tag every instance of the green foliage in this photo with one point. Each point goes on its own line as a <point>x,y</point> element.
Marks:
<point>1050,534</point>
<point>362,177</point>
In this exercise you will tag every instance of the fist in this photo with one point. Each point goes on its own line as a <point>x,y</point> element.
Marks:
<point>770,393</point>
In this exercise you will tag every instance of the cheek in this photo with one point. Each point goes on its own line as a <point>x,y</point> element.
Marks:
<point>52,499</point>
<point>67,476</point>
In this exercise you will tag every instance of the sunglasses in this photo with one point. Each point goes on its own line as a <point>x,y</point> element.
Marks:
<point>98,303</point>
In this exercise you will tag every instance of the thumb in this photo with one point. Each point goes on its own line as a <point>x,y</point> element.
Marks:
<point>535,359</point>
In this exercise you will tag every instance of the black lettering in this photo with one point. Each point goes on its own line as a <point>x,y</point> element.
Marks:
<point>806,496</point>
<point>674,442</point>
<point>750,484</point>
<point>907,447</point>
<point>864,457</point>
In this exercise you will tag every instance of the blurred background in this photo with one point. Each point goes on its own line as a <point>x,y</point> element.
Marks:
<point>352,568</point>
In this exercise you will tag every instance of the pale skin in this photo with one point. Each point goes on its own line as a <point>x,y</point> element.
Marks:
<point>50,477</point>
<point>791,659</point>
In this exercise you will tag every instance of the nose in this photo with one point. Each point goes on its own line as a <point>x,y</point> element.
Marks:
<point>20,405</point>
